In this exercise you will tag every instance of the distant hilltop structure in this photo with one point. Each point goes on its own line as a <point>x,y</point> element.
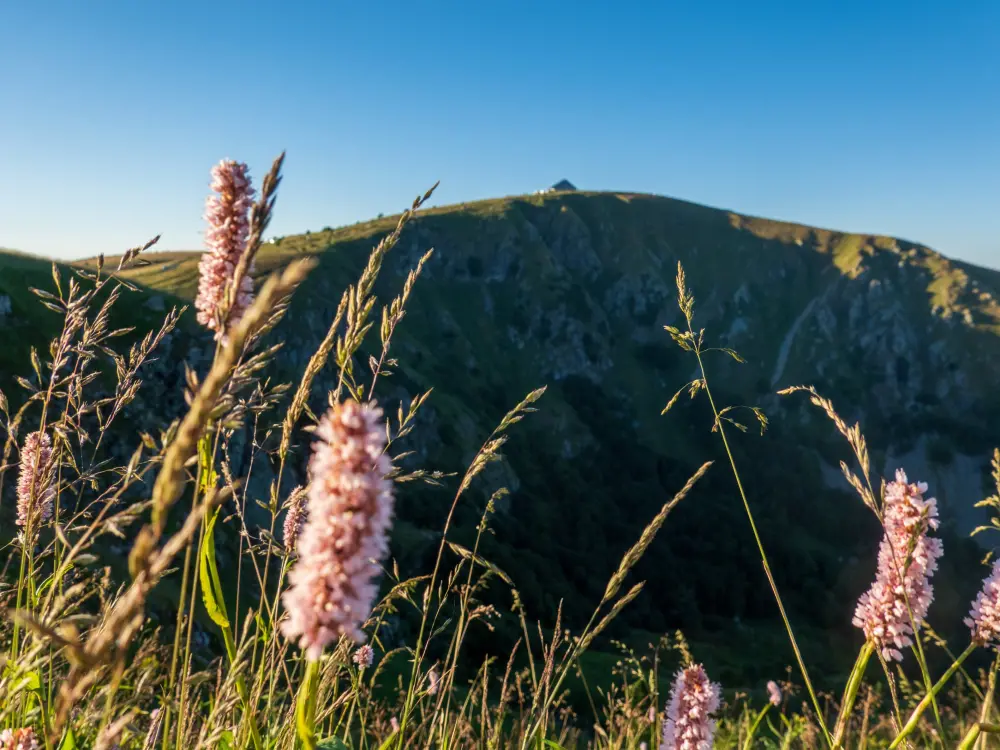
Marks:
<point>561,186</point>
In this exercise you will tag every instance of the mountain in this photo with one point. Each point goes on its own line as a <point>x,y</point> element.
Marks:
<point>572,290</point>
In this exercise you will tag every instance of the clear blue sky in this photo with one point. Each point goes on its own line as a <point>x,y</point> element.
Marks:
<point>862,116</point>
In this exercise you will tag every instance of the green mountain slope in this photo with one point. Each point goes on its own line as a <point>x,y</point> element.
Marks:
<point>573,290</point>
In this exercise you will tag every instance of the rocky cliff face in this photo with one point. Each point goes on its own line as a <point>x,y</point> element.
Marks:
<point>573,291</point>
<point>553,289</point>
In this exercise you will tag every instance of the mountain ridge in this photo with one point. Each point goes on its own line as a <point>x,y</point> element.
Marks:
<point>954,291</point>
<point>572,290</point>
<point>848,255</point>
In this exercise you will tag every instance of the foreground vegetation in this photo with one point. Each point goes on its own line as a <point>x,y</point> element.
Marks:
<point>309,657</point>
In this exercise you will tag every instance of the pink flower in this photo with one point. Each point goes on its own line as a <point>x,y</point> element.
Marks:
<point>18,739</point>
<point>693,699</point>
<point>773,693</point>
<point>295,518</point>
<point>35,493</point>
<point>984,617</point>
<point>907,558</point>
<point>332,587</point>
<point>228,217</point>
<point>364,656</point>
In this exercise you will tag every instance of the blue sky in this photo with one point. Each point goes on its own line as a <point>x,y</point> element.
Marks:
<point>862,116</point>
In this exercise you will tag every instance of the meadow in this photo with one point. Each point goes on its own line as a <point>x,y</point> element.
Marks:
<point>304,614</point>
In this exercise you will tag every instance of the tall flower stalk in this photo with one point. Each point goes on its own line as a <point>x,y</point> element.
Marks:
<point>885,613</point>
<point>225,293</point>
<point>891,611</point>
<point>333,584</point>
<point>295,518</point>
<point>36,494</point>
<point>227,213</point>
<point>35,491</point>
<point>773,701</point>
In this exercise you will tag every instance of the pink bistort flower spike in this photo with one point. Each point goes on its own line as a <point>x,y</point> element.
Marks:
<point>228,217</point>
<point>332,587</point>
<point>773,693</point>
<point>907,558</point>
<point>18,739</point>
<point>295,518</point>
<point>364,656</point>
<point>984,617</point>
<point>689,721</point>
<point>35,492</point>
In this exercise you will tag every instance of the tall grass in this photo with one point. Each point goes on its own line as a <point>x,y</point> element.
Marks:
<point>83,665</point>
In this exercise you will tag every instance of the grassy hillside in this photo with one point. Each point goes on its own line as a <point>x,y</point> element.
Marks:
<point>572,290</point>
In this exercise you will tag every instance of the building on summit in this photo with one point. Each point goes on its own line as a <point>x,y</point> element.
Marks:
<point>561,186</point>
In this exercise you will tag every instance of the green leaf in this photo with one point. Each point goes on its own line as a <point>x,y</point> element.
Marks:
<point>263,629</point>
<point>332,743</point>
<point>227,741</point>
<point>208,572</point>
<point>21,680</point>
<point>209,477</point>
<point>32,681</point>
<point>68,740</point>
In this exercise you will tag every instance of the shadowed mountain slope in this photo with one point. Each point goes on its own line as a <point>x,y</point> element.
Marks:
<point>572,290</point>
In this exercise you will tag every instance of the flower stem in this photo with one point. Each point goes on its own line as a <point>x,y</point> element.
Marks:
<point>987,708</point>
<point>974,733</point>
<point>305,706</point>
<point>753,727</point>
<point>914,719</point>
<point>851,693</point>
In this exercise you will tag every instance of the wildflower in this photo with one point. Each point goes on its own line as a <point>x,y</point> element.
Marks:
<point>773,693</point>
<point>907,558</point>
<point>18,739</point>
<point>394,723</point>
<point>35,493</point>
<point>294,518</point>
<point>984,617</point>
<point>433,681</point>
<point>693,699</point>
<point>228,220</point>
<point>364,656</point>
<point>331,588</point>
